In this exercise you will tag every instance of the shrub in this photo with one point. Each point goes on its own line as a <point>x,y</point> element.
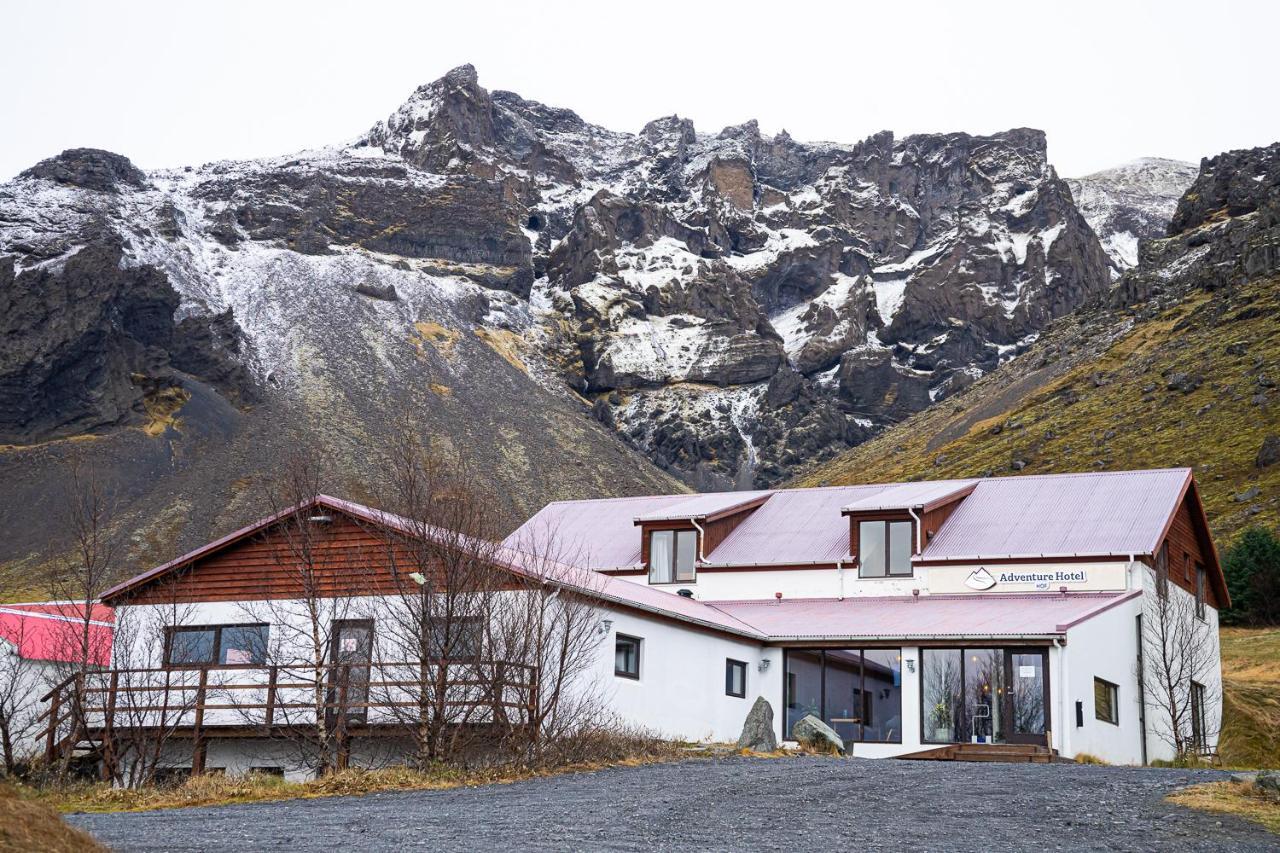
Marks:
<point>1252,569</point>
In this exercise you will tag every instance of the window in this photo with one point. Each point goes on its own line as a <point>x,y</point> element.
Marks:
<point>673,556</point>
<point>1106,705</point>
<point>217,645</point>
<point>858,692</point>
<point>884,549</point>
<point>735,678</point>
<point>1200,584</point>
<point>626,657</point>
<point>1186,566</point>
<point>458,638</point>
<point>1162,571</point>
<point>1198,739</point>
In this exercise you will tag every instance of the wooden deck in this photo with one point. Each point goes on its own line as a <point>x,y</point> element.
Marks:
<point>1009,752</point>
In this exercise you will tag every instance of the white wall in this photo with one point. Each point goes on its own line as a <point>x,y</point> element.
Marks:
<point>1106,647</point>
<point>31,679</point>
<point>681,689</point>
<point>823,582</point>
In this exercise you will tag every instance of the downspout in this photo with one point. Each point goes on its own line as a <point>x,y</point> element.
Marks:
<point>840,575</point>
<point>702,534</point>
<point>919,529</point>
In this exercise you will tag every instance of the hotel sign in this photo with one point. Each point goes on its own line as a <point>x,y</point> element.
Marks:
<point>1027,577</point>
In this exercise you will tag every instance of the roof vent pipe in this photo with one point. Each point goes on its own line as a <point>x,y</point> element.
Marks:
<point>778,597</point>
<point>685,593</point>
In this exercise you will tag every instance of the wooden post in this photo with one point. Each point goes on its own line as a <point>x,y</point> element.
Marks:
<point>270,716</point>
<point>108,730</point>
<point>198,745</point>
<point>55,708</point>
<point>344,746</point>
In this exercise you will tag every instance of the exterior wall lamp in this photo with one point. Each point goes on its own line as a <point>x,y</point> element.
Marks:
<point>606,625</point>
<point>764,664</point>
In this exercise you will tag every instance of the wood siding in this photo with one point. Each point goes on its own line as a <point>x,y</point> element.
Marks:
<point>348,558</point>
<point>1188,544</point>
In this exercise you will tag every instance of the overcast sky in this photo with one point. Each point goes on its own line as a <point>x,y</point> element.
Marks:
<point>176,83</point>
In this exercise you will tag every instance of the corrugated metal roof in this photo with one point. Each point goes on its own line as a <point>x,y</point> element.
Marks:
<point>703,506</point>
<point>1096,514</point>
<point>53,630</point>
<point>795,526</point>
<point>908,495</point>
<point>596,534</point>
<point>928,617</point>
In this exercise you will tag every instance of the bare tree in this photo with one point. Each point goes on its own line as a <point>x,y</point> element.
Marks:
<point>308,611</point>
<point>1178,665</point>
<point>435,617</point>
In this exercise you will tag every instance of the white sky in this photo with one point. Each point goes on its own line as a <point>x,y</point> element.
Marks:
<point>174,83</point>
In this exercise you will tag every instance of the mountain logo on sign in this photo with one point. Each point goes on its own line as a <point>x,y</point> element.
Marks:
<point>980,579</point>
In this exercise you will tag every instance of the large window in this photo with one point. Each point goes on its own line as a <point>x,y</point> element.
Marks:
<point>673,555</point>
<point>626,657</point>
<point>735,678</point>
<point>456,639</point>
<point>884,549</point>
<point>216,645</point>
<point>1106,705</point>
<point>858,692</point>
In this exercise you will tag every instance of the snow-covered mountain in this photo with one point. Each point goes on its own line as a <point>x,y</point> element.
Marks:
<point>1131,202</point>
<point>548,297</point>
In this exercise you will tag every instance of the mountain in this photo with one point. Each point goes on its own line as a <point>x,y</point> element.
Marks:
<point>1180,366</point>
<point>574,309</point>
<point>1131,202</point>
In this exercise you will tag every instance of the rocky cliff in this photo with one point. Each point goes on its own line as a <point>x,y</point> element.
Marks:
<point>558,302</point>
<point>1130,203</point>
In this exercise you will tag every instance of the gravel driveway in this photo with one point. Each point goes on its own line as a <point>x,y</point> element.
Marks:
<point>807,803</point>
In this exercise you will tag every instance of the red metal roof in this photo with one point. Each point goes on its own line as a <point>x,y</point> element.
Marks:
<point>706,505</point>
<point>53,631</point>
<point>929,617</point>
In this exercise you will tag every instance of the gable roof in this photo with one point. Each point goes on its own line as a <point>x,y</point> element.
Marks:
<point>1097,514</point>
<point>705,507</point>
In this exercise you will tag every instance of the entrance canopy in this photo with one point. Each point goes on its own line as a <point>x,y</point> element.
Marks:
<point>928,617</point>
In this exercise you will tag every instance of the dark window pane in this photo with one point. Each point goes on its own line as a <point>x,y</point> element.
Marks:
<point>984,691</point>
<point>457,638</point>
<point>243,644</point>
<point>735,678</point>
<point>900,547</point>
<point>686,554</point>
<point>626,657</point>
<point>1104,701</point>
<point>804,686</point>
<point>188,646</point>
<point>882,687</point>
<point>871,555</point>
<point>661,556</point>
<point>943,692</point>
<point>844,705</point>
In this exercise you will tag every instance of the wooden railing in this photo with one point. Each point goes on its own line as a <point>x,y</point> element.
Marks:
<point>378,697</point>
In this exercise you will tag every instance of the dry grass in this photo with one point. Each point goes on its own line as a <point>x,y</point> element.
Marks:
<point>1234,798</point>
<point>1251,697</point>
<point>27,825</point>
<point>226,790</point>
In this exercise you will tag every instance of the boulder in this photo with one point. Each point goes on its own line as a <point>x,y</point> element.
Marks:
<point>815,735</point>
<point>1269,453</point>
<point>757,732</point>
<point>1267,783</point>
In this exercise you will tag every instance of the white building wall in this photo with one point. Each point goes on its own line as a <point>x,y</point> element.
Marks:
<point>1105,647</point>
<point>818,582</point>
<point>681,690</point>
<point>31,680</point>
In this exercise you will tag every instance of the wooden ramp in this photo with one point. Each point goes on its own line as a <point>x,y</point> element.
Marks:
<point>1012,752</point>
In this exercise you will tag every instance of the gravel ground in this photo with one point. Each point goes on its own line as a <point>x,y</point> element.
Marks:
<point>807,803</point>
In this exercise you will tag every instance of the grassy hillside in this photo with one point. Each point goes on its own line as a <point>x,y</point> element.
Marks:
<point>1251,697</point>
<point>1194,385</point>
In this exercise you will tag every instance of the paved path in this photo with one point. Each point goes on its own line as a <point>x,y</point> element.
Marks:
<point>788,804</point>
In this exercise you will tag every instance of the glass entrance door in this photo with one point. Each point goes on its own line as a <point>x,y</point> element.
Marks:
<point>1028,695</point>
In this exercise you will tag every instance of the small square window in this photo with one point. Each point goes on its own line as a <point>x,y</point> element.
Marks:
<point>1106,704</point>
<point>735,678</point>
<point>626,657</point>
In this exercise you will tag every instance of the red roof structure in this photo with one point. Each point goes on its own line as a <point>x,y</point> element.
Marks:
<point>53,630</point>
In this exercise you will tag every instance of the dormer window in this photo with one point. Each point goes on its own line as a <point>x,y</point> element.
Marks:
<point>672,555</point>
<point>884,549</point>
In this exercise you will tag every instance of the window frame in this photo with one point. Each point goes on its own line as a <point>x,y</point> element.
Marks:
<point>170,631</point>
<point>675,571</point>
<point>638,645</point>
<point>886,535</point>
<point>1199,736</point>
<point>730,665</point>
<point>1114,691</point>
<point>790,685</point>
